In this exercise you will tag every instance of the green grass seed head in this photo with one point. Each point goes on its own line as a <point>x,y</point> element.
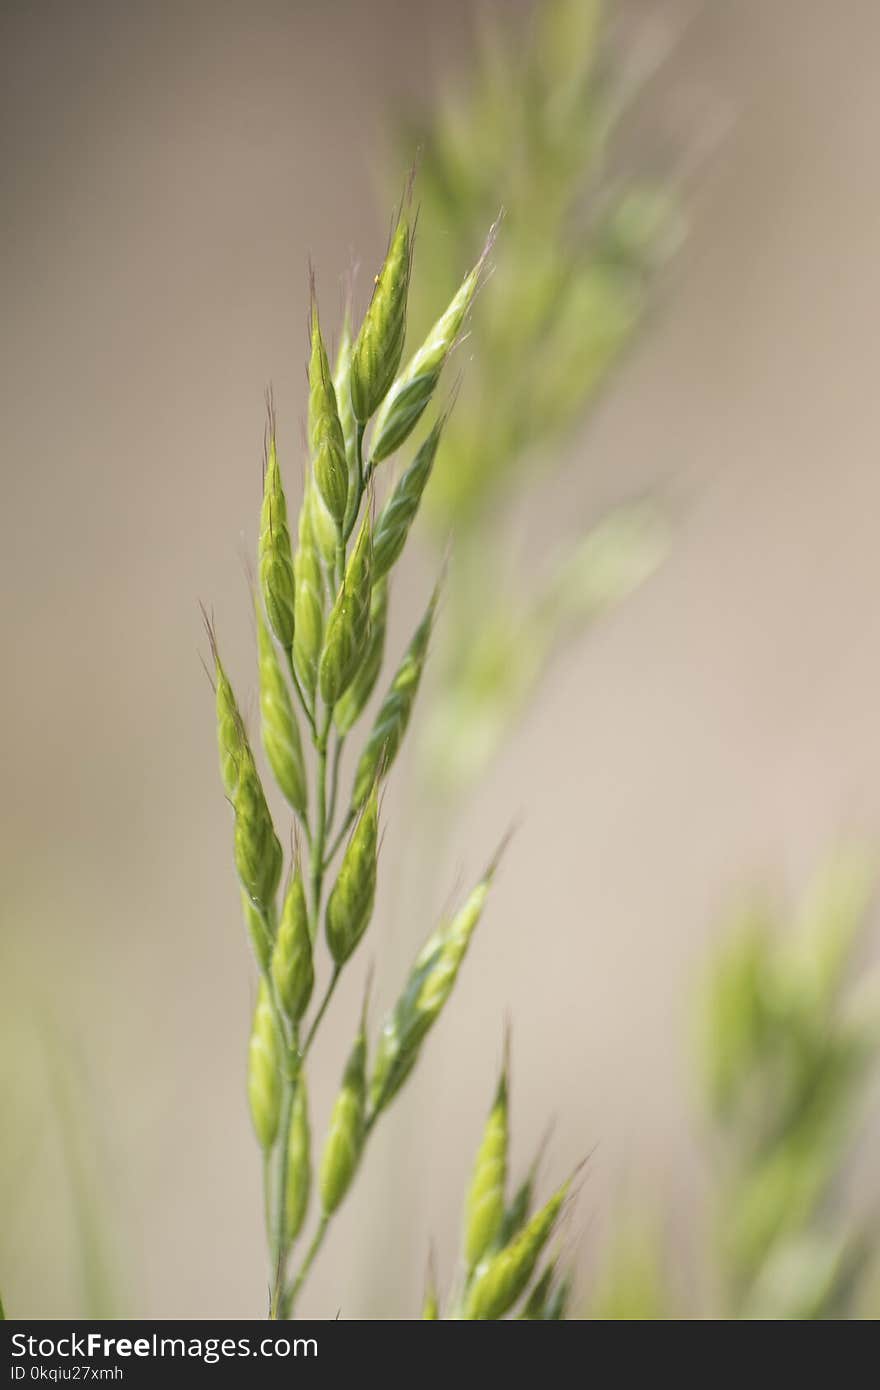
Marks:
<point>258,855</point>
<point>350,708</point>
<point>230,726</point>
<point>350,905</point>
<point>308,634</point>
<point>484,1208</point>
<point>345,1137</point>
<point>257,924</point>
<point>393,718</point>
<point>292,968</point>
<point>342,386</point>
<point>347,634</point>
<point>398,513</point>
<point>264,1071</point>
<point>274,553</point>
<point>500,1278</point>
<point>379,346</point>
<point>299,1164</point>
<point>410,393</point>
<point>280,730</point>
<point>325,429</point>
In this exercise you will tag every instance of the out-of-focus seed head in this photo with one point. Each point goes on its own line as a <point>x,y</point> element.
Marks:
<point>309,600</point>
<point>348,627</point>
<point>536,1305</point>
<point>299,1164</point>
<point>500,1278</point>
<point>258,855</point>
<point>393,718</point>
<point>484,1209</point>
<point>280,730</point>
<point>398,513</point>
<point>429,986</point>
<point>325,430</point>
<point>264,1071</point>
<point>409,395</point>
<point>430,1305</point>
<point>379,346</point>
<point>274,553</point>
<point>345,1138</point>
<point>350,708</point>
<point>292,967</point>
<point>350,905</point>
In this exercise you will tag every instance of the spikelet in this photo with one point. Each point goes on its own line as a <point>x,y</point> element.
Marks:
<point>264,1071</point>
<point>379,346</point>
<point>258,855</point>
<point>292,968</point>
<point>308,634</point>
<point>325,430</point>
<point>429,986</point>
<point>350,905</point>
<point>299,1164</point>
<point>230,726</point>
<point>257,923</point>
<point>413,389</point>
<point>345,1138</point>
<point>500,1278</point>
<point>538,1302</point>
<point>348,627</point>
<point>342,386</point>
<point>391,723</point>
<point>398,514</point>
<point>275,561</point>
<point>280,731</point>
<point>350,708</point>
<point>484,1208</point>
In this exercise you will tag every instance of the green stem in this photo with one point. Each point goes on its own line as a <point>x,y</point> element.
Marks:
<point>343,831</point>
<point>279,1244</point>
<point>289,1299</point>
<point>334,782</point>
<point>308,709</point>
<point>334,979</point>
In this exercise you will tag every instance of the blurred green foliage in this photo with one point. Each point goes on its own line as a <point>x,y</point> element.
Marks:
<point>531,130</point>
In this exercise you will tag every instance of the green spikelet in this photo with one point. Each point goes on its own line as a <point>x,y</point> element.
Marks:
<point>275,561</point>
<point>500,1278</point>
<point>391,723</point>
<point>348,627</point>
<point>309,599</point>
<point>280,730</point>
<point>350,708</point>
<point>429,986</point>
<point>342,386</point>
<point>345,1138</point>
<point>325,430</point>
<point>350,905</point>
<point>484,1209</point>
<point>413,389</point>
<point>230,727</point>
<point>264,1071</point>
<point>292,967</point>
<point>299,1164</point>
<point>377,352</point>
<point>258,931</point>
<point>398,514</point>
<point>535,1309</point>
<point>258,854</point>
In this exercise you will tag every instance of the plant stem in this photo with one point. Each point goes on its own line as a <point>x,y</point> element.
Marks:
<point>328,995</point>
<point>289,1299</point>
<point>343,831</point>
<point>306,707</point>
<point>279,1243</point>
<point>334,782</point>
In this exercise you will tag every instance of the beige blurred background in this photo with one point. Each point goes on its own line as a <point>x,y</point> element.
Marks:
<point>166,171</point>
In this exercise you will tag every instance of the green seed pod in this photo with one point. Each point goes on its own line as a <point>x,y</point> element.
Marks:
<point>517,1211</point>
<point>426,991</point>
<point>299,1164</point>
<point>258,855</point>
<point>350,708</point>
<point>230,726</point>
<point>348,627</point>
<point>325,430</point>
<point>391,723</point>
<point>325,532</point>
<point>500,1279</point>
<point>342,386</point>
<point>350,905</point>
<point>258,931</point>
<point>484,1209</point>
<point>398,514</point>
<point>379,347</point>
<point>309,599</point>
<point>275,561</point>
<point>264,1071</point>
<point>345,1138</point>
<point>292,967</point>
<point>413,389</point>
<point>280,730</point>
